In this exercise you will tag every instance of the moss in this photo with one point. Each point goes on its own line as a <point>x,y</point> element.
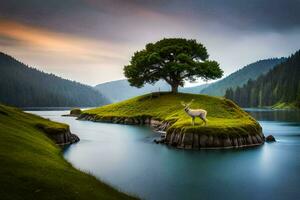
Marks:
<point>75,111</point>
<point>224,117</point>
<point>32,166</point>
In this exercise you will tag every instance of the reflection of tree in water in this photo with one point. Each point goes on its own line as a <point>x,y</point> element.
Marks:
<point>275,115</point>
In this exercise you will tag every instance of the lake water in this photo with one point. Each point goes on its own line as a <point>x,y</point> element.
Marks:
<point>125,157</point>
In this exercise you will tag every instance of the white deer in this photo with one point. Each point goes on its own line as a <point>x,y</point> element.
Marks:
<point>193,113</point>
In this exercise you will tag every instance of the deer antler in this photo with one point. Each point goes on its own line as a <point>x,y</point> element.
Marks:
<point>191,102</point>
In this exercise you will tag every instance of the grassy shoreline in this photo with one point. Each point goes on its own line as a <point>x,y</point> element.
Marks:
<point>285,106</point>
<point>32,166</point>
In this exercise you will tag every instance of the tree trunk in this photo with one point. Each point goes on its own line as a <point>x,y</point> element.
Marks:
<point>174,89</point>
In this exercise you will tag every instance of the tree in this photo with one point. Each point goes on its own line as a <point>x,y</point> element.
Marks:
<point>229,93</point>
<point>174,60</point>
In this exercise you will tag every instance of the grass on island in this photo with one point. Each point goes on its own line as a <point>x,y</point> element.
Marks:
<point>224,117</point>
<point>32,166</point>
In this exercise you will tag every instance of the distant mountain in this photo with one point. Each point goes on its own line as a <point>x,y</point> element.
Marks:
<point>280,87</point>
<point>194,90</point>
<point>24,86</point>
<point>120,90</point>
<point>240,77</point>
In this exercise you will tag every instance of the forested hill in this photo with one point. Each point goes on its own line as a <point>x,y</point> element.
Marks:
<point>280,87</point>
<point>24,86</point>
<point>240,77</point>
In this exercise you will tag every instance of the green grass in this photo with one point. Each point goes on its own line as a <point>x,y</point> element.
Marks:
<point>224,117</point>
<point>284,105</point>
<point>32,166</point>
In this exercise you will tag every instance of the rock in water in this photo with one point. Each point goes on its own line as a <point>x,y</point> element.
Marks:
<point>270,138</point>
<point>75,111</point>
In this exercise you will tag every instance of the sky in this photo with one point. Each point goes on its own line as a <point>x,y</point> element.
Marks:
<point>91,40</point>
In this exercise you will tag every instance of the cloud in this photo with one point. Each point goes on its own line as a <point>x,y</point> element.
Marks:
<point>44,40</point>
<point>95,18</point>
<point>62,53</point>
<point>97,37</point>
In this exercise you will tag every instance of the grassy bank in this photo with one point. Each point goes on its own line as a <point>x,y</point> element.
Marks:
<point>32,167</point>
<point>287,106</point>
<point>224,117</point>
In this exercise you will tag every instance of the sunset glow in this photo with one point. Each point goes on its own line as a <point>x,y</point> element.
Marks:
<point>97,38</point>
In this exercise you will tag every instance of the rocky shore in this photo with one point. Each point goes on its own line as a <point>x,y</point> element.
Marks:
<point>64,138</point>
<point>202,141</point>
<point>179,139</point>
<point>61,136</point>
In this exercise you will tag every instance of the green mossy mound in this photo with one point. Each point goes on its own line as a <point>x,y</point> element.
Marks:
<point>225,119</point>
<point>32,166</point>
<point>75,111</point>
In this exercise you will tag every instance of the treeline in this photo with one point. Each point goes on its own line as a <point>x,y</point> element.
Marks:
<point>279,85</point>
<point>241,76</point>
<point>23,86</point>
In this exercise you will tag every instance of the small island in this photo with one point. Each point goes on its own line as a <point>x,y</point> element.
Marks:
<point>228,125</point>
<point>176,61</point>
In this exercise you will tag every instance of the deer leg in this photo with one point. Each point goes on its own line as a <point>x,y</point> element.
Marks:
<point>203,119</point>
<point>193,121</point>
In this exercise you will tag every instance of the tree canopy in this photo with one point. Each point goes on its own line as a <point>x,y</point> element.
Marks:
<point>174,60</point>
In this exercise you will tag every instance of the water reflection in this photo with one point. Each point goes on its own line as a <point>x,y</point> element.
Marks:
<point>275,115</point>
